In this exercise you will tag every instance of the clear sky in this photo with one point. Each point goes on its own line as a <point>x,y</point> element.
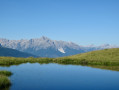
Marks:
<point>81,21</point>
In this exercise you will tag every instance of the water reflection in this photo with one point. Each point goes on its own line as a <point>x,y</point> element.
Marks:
<point>107,67</point>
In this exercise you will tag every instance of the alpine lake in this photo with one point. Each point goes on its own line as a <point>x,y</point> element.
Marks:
<point>53,76</point>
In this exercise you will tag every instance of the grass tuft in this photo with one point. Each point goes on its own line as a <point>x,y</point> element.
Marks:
<point>4,80</point>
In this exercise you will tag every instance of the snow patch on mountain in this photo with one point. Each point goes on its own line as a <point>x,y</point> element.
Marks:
<point>61,50</point>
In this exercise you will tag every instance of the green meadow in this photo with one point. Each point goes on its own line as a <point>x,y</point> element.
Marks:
<point>100,57</point>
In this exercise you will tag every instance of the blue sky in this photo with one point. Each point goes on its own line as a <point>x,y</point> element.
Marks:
<point>81,21</point>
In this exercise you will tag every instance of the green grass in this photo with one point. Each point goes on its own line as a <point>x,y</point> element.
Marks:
<point>16,61</point>
<point>100,57</point>
<point>5,73</point>
<point>4,80</point>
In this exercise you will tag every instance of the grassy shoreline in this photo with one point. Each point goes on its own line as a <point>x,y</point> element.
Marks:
<point>100,57</point>
<point>4,80</point>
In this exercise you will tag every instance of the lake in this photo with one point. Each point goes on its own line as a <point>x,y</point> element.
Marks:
<point>61,77</point>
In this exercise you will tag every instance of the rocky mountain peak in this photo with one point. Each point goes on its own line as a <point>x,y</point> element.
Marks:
<point>44,38</point>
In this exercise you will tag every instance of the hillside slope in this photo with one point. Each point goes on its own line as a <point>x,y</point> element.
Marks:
<point>13,53</point>
<point>106,54</point>
<point>99,57</point>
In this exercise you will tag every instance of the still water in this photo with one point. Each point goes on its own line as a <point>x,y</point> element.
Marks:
<point>61,77</point>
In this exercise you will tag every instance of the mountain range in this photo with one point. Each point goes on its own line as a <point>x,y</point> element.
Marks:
<point>45,47</point>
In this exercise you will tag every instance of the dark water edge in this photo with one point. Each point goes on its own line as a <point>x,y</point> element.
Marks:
<point>35,76</point>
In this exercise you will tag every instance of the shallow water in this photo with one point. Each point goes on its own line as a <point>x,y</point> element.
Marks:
<point>61,77</point>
